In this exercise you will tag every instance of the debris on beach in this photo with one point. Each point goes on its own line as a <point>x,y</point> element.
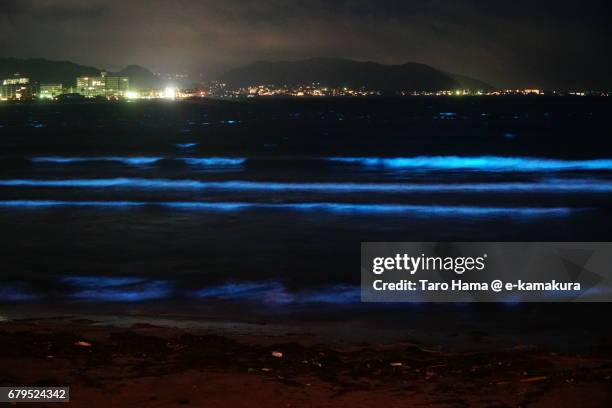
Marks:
<point>534,379</point>
<point>82,343</point>
<point>277,354</point>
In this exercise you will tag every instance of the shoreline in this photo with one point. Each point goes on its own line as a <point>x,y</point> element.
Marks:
<point>141,364</point>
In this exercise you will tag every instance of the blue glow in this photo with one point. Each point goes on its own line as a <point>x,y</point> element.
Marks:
<point>214,161</point>
<point>125,293</point>
<point>338,208</point>
<point>544,186</point>
<point>141,161</point>
<point>338,294</point>
<point>101,281</point>
<point>15,292</point>
<point>60,203</point>
<point>185,145</point>
<point>132,161</point>
<point>276,293</point>
<point>203,205</point>
<point>430,210</point>
<point>480,163</point>
<point>237,290</point>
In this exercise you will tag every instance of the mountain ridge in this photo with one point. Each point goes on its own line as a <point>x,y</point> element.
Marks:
<point>339,72</point>
<point>66,72</point>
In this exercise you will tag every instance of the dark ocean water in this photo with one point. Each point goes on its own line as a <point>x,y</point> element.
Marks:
<point>267,203</point>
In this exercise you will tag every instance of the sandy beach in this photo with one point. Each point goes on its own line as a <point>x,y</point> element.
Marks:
<point>144,365</point>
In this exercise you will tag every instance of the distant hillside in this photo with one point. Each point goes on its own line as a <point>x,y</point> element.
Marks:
<point>333,72</point>
<point>43,70</point>
<point>471,83</point>
<point>140,78</point>
<point>66,72</point>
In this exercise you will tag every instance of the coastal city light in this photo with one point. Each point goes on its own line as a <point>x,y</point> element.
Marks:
<point>170,92</point>
<point>111,87</point>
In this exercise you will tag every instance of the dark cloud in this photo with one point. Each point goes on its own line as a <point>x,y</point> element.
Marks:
<point>58,11</point>
<point>523,43</point>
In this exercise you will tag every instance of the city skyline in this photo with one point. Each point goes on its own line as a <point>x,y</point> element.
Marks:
<point>553,45</point>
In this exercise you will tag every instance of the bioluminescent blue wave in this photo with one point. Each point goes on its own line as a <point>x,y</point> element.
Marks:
<point>185,145</point>
<point>238,290</point>
<point>101,281</point>
<point>59,203</point>
<point>545,186</point>
<point>147,160</point>
<point>203,205</point>
<point>429,210</point>
<point>276,293</point>
<point>332,294</point>
<point>214,161</point>
<point>147,291</point>
<point>478,163</point>
<point>132,161</point>
<point>117,289</point>
<point>15,292</point>
<point>338,208</point>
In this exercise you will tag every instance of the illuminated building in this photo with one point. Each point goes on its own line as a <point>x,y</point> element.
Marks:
<point>18,88</point>
<point>104,85</point>
<point>91,86</point>
<point>116,86</point>
<point>50,91</point>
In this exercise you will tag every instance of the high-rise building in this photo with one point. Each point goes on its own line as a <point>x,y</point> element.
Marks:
<point>50,91</point>
<point>18,88</point>
<point>103,85</point>
<point>91,86</point>
<point>116,86</point>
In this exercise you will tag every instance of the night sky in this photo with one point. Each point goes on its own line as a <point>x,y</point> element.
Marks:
<point>543,43</point>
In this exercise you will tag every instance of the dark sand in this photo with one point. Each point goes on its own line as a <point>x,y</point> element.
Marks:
<point>153,366</point>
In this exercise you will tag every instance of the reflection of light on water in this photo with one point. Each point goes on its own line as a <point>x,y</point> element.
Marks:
<point>546,186</point>
<point>478,163</point>
<point>336,208</point>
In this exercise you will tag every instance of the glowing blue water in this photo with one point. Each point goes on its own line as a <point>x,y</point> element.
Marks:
<point>276,293</point>
<point>478,163</point>
<point>544,186</point>
<point>337,208</point>
<point>131,161</point>
<point>59,203</point>
<point>15,292</point>
<point>425,163</point>
<point>214,161</point>
<point>238,290</point>
<point>101,281</point>
<point>146,291</point>
<point>145,160</point>
<point>185,145</point>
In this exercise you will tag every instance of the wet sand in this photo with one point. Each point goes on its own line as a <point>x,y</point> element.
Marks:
<point>149,366</point>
